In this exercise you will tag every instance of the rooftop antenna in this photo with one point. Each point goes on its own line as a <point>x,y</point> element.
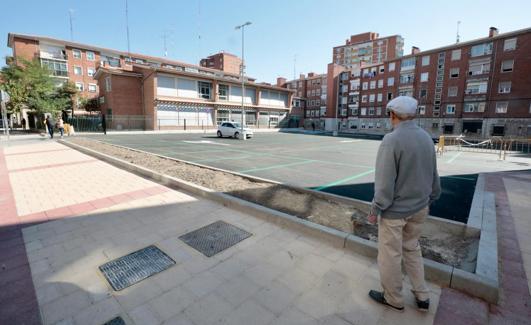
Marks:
<point>127,27</point>
<point>199,27</point>
<point>295,67</point>
<point>164,37</point>
<point>457,35</point>
<point>70,12</point>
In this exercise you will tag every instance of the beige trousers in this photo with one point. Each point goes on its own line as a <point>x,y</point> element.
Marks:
<point>397,238</point>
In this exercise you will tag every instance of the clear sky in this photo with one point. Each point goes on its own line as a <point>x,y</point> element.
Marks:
<point>280,30</point>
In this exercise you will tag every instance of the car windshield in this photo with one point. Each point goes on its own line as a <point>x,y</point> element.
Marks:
<point>237,125</point>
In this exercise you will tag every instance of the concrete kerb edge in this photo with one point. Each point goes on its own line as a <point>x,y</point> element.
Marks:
<point>441,274</point>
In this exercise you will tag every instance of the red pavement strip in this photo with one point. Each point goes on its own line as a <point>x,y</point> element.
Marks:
<point>34,152</point>
<point>18,302</point>
<point>514,305</point>
<point>53,165</point>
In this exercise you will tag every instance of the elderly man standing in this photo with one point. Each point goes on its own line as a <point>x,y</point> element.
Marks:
<point>406,183</point>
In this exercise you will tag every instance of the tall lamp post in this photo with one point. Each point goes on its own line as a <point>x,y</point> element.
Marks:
<point>242,70</point>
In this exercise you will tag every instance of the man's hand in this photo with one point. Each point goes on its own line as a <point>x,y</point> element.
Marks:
<point>372,219</point>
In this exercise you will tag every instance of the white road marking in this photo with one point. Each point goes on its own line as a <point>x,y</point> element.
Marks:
<point>207,142</point>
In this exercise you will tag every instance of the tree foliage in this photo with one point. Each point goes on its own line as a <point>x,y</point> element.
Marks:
<point>31,86</point>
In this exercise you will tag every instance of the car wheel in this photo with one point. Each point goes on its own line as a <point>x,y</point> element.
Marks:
<point>237,135</point>
<point>219,134</point>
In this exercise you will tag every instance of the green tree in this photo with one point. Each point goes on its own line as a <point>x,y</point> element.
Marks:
<point>31,86</point>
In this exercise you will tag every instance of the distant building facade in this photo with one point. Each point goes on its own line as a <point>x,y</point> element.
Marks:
<point>479,88</point>
<point>222,61</point>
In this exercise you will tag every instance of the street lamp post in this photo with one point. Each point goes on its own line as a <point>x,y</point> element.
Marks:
<point>242,70</point>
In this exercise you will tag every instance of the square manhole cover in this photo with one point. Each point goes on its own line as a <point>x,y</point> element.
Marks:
<point>115,321</point>
<point>135,267</point>
<point>215,237</point>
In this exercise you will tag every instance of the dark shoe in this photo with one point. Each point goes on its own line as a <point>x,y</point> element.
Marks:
<point>423,305</point>
<point>379,298</point>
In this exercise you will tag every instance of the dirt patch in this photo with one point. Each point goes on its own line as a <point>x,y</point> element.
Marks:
<point>444,248</point>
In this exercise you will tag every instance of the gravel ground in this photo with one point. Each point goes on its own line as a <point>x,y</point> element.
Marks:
<point>446,248</point>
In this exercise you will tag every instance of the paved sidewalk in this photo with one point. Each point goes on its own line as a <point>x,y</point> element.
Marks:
<point>67,214</point>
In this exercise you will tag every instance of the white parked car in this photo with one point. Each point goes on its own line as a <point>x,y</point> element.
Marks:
<point>233,129</point>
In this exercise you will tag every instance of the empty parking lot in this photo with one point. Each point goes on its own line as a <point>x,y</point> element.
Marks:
<point>338,165</point>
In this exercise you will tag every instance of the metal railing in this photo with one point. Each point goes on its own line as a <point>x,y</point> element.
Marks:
<point>495,144</point>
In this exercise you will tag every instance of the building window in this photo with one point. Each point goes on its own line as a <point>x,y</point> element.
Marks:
<point>108,84</point>
<point>504,87</point>
<point>79,86</point>
<point>363,98</point>
<point>435,125</point>
<point>57,68</point>
<point>392,66</point>
<point>390,81</point>
<point>76,54</point>
<point>450,109</point>
<point>509,44</point>
<point>389,96</point>
<point>501,107</point>
<point>371,111</point>
<point>204,89</point>
<point>477,107</point>
<point>479,67</point>
<point>223,93</point>
<point>425,60</point>
<point>381,69</point>
<point>90,56</point>
<point>354,111</point>
<point>371,98</point>
<point>407,64</point>
<point>372,84</point>
<point>423,93</point>
<point>454,73</point>
<point>456,55</point>
<point>452,91</point>
<point>481,49</point>
<point>422,110</point>
<point>78,71</point>
<point>378,111</point>
<point>407,78</point>
<point>476,87</point>
<point>507,65</point>
<point>363,111</point>
<point>424,77</point>
<point>92,88</point>
<point>380,83</point>
<point>90,72</point>
<point>365,85</point>
<point>379,97</point>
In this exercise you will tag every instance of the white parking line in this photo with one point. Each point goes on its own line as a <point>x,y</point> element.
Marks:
<point>207,142</point>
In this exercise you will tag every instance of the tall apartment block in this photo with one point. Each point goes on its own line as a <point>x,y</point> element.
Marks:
<point>222,61</point>
<point>367,48</point>
<point>480,87</point>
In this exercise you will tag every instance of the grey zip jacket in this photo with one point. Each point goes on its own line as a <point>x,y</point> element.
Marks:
<point>406,178</point>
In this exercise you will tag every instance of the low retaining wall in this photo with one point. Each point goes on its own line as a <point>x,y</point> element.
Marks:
<point>441,274</point>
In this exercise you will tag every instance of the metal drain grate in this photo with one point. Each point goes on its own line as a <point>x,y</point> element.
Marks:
<point>215,237</point>
<point>135,267</point>
<point>115,321</point>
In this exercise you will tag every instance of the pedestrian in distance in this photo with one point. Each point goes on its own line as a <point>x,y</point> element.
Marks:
<point>104,124</point>
<point>49,125</point>
<point>23,122</point>
<point>61,126</point>
<point>313,126</point>
<point>406,183</point>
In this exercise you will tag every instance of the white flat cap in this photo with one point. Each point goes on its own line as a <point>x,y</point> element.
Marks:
<point>403,105</point>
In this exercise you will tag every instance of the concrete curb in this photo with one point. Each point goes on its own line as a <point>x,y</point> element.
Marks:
<point>438,273</point>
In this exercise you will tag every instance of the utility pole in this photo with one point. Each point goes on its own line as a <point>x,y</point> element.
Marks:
<point>242,69</point>
<point>127,27</point>
<point>70,12</point>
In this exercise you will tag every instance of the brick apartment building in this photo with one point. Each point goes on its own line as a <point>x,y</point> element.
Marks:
<point>78,62</point>
<point>222,61</point>
<point>188,96</point>
<point>480,87</point>
<point>367,48</point>
<point>309,101</point>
